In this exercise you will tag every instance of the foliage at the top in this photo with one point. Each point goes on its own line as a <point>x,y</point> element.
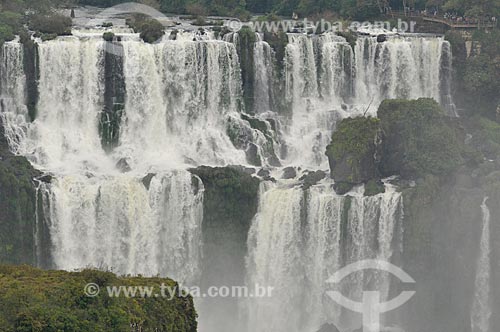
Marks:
<point>353,9</point>
<point>54,301</point>
<point>40,16</point>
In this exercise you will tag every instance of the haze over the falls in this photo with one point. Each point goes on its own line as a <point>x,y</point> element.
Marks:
<point>135,207</point>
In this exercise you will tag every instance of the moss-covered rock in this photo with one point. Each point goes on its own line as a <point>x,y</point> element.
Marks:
<point>419,139</point>
<point>36,300</point>
<point>108,36</point>
<point>17,206</point>
<point>353,152</point>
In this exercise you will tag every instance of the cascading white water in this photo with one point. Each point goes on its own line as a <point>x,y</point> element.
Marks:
<point>481,307</point>
<point>64,136</point>
<point>275,260</point>
<point>263,76</point>
<point>179,95</point>
<point>117,223</point>
<point>325,79</point>
<point>13,110</point>
<point>295,246</point>
<point>175,103</point>
<point>322,254</point>
<point>402,67</point>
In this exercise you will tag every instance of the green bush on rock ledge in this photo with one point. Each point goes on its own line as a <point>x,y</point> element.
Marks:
<point>419,139</point>
<point>48,301</point>
<point>150,29</point>
<point>53,24</point>
<point>352,154</point>
<point>411,138</point>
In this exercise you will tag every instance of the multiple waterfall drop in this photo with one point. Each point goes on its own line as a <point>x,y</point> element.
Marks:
<point>136,209</point>
<point>300,238</point>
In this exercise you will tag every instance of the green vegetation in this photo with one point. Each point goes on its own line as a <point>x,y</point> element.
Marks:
<point>108,36</point>
<point>411,138</point>
<point>39,16</point>
<point>52,301</point>
<point>150,29</point>
<point>477,76</point>
<point>353,151</point>
<point>374,187</point>
<point>485,136</point>
<point>52,24</point>
<point>17,206</point>
<point>418,139</point>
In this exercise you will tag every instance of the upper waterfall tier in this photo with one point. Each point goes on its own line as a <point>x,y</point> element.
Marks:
<point>183,98</point>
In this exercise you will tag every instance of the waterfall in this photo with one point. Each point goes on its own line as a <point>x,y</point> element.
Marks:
<point>182,107</point>
<point>179,94</point>
<point>120,224</point>
<point>13,110</point>
<point>275,259</point>
<point>263,76</point>
<point>65,137</point>
<point>481,307</point>
<point>298,239</point>
<point>402,67</point>
<point>326,80</point>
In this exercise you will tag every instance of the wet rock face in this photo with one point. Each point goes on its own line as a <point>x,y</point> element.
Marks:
<point>17,206</point>
<point>289,173</point>
<point>123,165</point>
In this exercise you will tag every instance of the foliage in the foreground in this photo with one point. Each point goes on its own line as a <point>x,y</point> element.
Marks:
<point>52,301</point>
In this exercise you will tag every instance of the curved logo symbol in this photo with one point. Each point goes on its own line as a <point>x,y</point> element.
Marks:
<point>371,308</point>
<point>128,8</point>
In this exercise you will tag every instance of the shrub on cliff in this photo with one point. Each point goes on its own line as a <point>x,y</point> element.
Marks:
<point>51,24</point>
<point>419,139</point>
<point>352,154</point>
<point>6,33</point>
<point>10,24</point>
<point>36,300</point>
<point>411,138</point>
<point>150,29</point>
